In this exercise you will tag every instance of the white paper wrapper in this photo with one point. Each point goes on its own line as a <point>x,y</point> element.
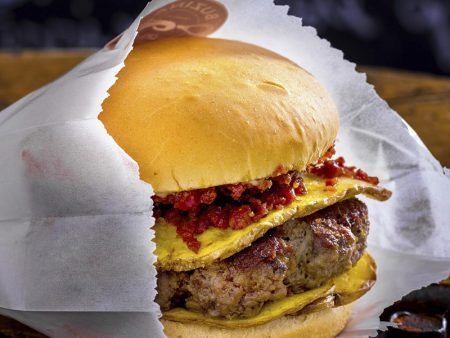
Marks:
<point>75,239</point>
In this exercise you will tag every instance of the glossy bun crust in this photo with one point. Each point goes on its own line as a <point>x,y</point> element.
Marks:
<point>200,112</point>
<point>324,324</point>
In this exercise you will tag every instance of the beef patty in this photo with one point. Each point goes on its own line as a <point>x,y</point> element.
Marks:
<point>299,255</point>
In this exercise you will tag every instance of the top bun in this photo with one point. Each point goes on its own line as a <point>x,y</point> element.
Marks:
<point>201,112</point>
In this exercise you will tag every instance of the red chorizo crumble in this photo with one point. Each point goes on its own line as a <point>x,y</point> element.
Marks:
<point>238,205</point>
<point>330,169</point>
<point>226,206</point>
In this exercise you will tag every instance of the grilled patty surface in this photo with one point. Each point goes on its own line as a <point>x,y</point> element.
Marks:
<point>301,254</point>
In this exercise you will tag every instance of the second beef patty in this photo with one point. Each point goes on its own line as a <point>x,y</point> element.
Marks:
<point>301,254</point>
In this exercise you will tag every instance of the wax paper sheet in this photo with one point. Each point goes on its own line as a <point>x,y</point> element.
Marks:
<point>75,220</point>
<point>75,238</point>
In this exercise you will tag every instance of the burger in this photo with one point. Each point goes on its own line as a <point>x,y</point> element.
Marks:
<point>258,228</point>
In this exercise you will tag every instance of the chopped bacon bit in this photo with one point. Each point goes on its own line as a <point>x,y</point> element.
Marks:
<point>361,175</point>
<point>232,206</point>
<point>188,200</point>
<point>241,217</point>
<point>259,208</point>
<point>265,184</point>
<point>185,201</point>
<point>279,170</point>
<point>185,232</point>
<point>331,182</point>
<point>208,196</point>
<point>172,216</point>
<point>282,179</point>
<point>217,216</point>
<point>332,168</point>
<point>329,153</point>
<point>236,206</point>
<point>235,190</point>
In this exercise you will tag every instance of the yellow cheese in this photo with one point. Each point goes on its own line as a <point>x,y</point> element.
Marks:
<point>345,288</point>
<point>217,244</point>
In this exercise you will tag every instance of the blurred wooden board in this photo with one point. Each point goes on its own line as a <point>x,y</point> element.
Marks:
<point>422,100</point>
<point>21,73</point>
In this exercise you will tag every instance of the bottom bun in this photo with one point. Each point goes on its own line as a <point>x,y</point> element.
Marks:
<point>323,324</point>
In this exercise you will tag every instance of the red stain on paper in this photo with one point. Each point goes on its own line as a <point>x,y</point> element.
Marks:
<point>33,167</point>
<point>43,166</point>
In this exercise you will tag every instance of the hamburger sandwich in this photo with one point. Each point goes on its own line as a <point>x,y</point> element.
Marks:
<point>259,231</point>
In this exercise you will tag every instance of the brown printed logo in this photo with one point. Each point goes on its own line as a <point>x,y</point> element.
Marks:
<point>181,18</point>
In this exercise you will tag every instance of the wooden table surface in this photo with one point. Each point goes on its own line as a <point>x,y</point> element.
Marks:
<point>422,100</point>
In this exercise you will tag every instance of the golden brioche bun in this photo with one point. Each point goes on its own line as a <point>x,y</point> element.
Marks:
<point>322,324</point>
<point>201,112</point>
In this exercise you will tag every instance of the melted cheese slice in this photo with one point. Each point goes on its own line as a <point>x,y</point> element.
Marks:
<point>344,288</point>
<point>217,244</point>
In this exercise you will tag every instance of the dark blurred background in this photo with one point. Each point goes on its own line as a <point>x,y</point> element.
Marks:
<point>406,34</point>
